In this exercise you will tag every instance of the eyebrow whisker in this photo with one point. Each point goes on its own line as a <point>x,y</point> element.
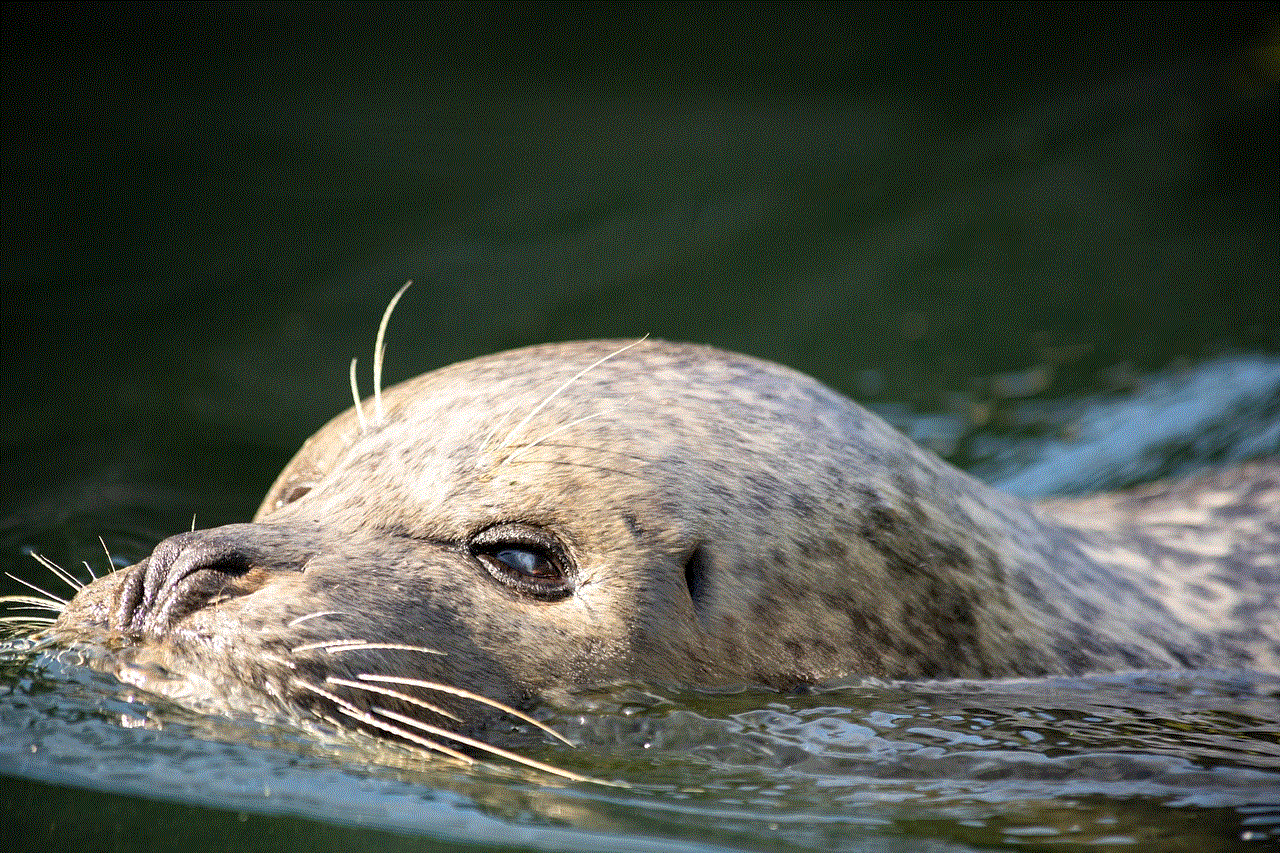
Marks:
<point>526,448</point>
<point>568,382</point>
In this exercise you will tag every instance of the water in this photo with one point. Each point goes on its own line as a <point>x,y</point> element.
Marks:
<point>1045,247</point>
<point>1171,761</point>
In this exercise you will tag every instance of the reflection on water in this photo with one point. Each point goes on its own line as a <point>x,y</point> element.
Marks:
<point>1179,761</point>
<point>1225,410</point>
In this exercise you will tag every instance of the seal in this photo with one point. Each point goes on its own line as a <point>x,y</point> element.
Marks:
<point>583,513</point>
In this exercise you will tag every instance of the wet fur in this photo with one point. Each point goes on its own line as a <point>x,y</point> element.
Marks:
<point>728,520</point>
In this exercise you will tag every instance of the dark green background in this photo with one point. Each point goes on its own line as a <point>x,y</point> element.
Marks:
<point>207,207</point>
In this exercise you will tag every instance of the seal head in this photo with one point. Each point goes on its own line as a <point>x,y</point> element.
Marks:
<point>576,514</point>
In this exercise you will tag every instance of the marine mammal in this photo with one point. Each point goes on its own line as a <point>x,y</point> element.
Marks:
<point>580,513</point>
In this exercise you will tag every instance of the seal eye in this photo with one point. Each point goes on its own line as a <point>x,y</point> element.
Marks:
<point>527,563</point>
<point>524,559</point>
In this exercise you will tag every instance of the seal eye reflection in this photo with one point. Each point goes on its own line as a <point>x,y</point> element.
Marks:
<point>524,557</point>
<point>530,564</point>
<point>531,570</point>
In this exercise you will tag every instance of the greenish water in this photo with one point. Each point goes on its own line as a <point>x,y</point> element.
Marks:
<point>1184,761</point>
<point>1042,240</point>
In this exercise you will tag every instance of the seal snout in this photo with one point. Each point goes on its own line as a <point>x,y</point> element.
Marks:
<point>185,573</point>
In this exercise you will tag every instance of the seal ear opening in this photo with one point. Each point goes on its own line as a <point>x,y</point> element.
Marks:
<point>695,578</point>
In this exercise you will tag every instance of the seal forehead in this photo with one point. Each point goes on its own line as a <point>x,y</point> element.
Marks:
<point>584,436</point>
<point>652,393</point>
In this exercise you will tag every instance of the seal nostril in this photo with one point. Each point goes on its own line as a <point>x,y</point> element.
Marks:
<point>183,574</point>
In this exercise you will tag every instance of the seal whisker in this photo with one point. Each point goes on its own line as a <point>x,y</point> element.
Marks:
<point>526,448</point>
<point>30,602</point>
<point>493,430</point>
<point>62,574</point>
<point>568,382</point>
<point>24,628</point>
<point>567,464</point>
<point>609,450</point>
<point>345,707</point>
<point>111,562</point>
<point>485,747</point>
<point>327,645</point>
<point>466,694</point>
<point>403,647</point>
<point>14,623</point>
<point>387,691</point>
<point>434,746</point>
<point>317,614</point>
<point>379,349</point>
<point>11,604</point>
<point>355,395</point>
<point>62,601</point>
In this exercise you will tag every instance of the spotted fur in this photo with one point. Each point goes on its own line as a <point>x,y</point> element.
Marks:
<point>724,520</point>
